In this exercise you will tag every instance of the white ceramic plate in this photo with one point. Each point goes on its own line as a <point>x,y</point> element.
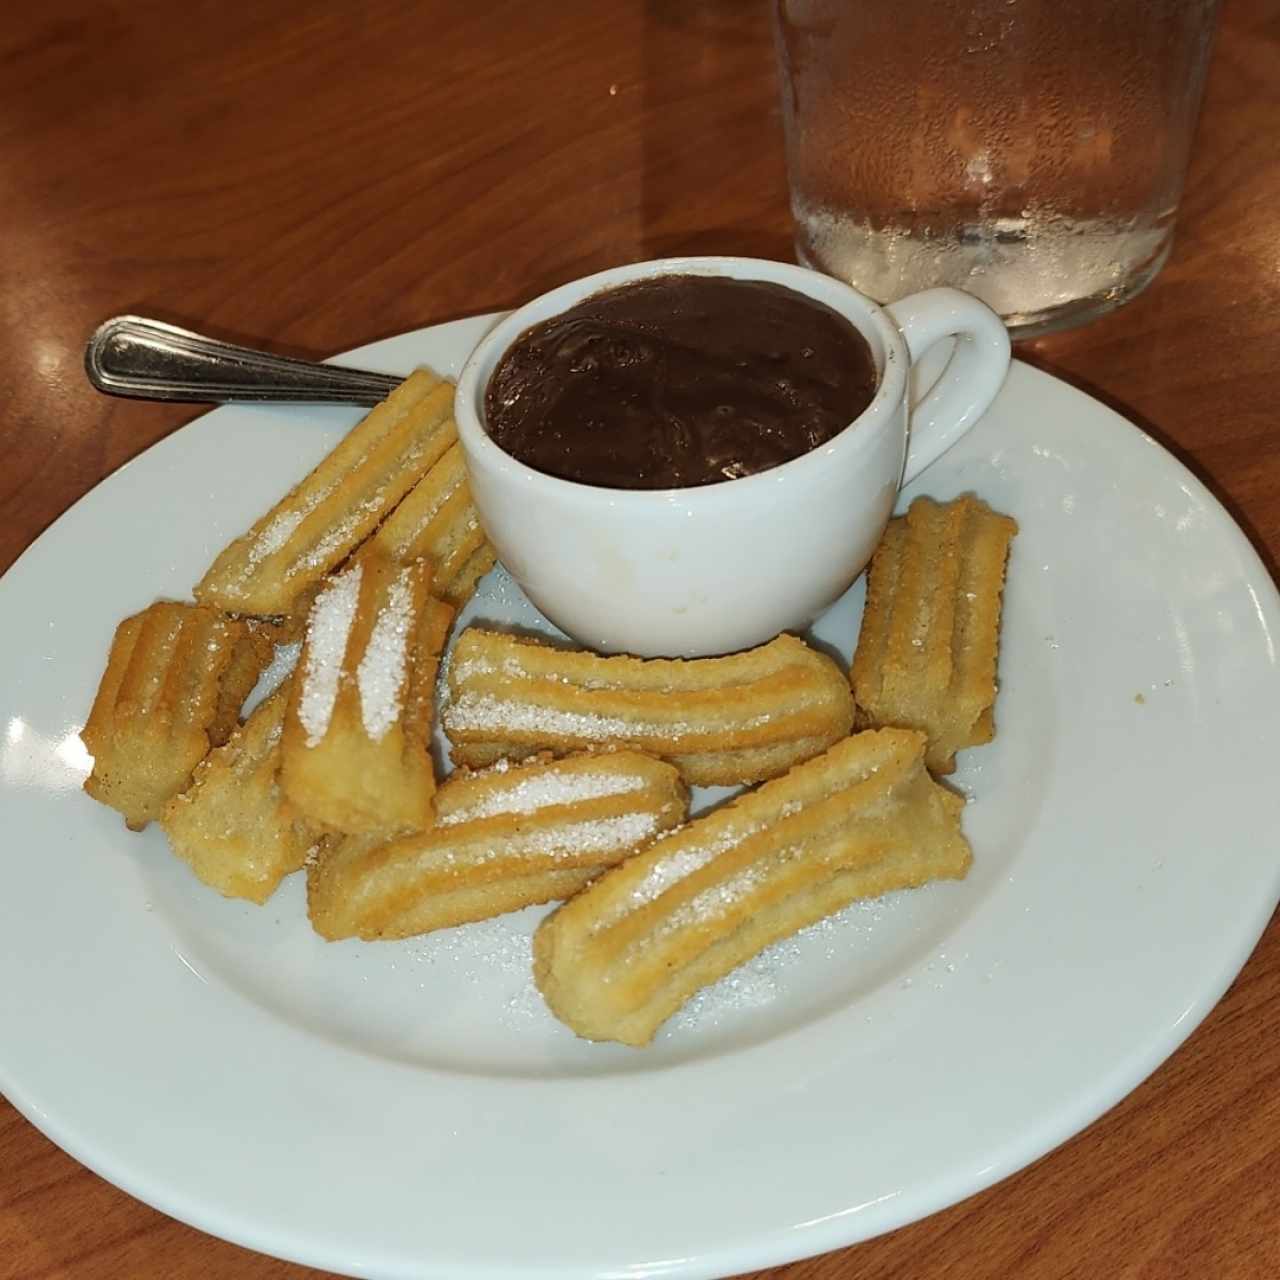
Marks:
<point>409,1109</point>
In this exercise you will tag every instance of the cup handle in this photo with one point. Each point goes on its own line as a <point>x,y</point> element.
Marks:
<point>969,383</point>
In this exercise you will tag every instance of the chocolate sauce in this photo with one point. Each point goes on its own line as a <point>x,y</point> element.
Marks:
<point>678,381</point>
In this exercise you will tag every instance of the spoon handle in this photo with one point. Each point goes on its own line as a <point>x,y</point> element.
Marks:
<point>148,360</point>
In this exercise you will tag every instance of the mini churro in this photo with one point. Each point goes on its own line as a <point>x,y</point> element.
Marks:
<point>232,825</point>
<point>862,819</point>
<point>503,839</point>
<point>720,721</point>
<point>319,523</point>
<point>438,519</point>
<point>176,678</point>
<point>926,656</point>
<point>355,752</point>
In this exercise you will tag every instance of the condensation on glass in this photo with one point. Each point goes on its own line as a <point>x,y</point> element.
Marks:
<point>1029,151</point>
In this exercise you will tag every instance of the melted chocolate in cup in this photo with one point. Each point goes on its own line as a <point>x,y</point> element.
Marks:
<point>678,381</point>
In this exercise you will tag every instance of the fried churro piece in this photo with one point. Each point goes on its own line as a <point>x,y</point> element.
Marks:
<point>355,752</point>
<point>507,838</point>
<point>321,521</point>
<point>860,820</point>
<point>720,721</point>
<point>176,678</point>
<point>926,656</point>
<point>439,520</point>
<point>232,825</point>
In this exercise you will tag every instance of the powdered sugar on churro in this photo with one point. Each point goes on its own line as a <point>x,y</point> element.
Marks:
<point>684,862</point>
<point>343,534</point>
<point>454,478</point>
<point>544,791</point>
<point>601,835</point>
<point>715,900</point>
<point>381,673</point>
<point>469,669</point>
<point>327,633</point>
<point>275,534</point>
<point>278,531</point>
<point>338,539</point>
<point>472,668</point>
<point>604,835</point>
<point>504,716</point>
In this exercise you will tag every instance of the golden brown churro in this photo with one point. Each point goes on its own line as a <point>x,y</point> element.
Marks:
<point>926,656</point>
<point>176,678</point>
<point>355,751</point>
<point>860,820</point>
<point>720,721</point>
<point>506,838</point>
<point>439,520</point>
<point>232,825</point>
<point>321,521</point>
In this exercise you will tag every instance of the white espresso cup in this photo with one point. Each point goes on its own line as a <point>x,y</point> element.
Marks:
<point>725,566</point>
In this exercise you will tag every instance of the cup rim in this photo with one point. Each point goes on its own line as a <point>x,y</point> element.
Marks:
<point>871,320</point>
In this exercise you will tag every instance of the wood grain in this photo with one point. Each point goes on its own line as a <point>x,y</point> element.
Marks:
<point>314,176</point>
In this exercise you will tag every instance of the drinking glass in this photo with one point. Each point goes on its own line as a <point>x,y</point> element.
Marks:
<point>1031,152</point>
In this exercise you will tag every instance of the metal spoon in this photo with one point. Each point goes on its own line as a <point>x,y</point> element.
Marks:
<point>148,360</point>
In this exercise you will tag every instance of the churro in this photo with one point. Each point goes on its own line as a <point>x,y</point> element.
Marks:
<point>862,819</point>
<point>926,656</point>
<point>355,753</point>
<point>720,721</point>
<point>506,838</point>
<point>438,519</point>
<point>176,678</point>
<point>232,825</point>
<point>321,521</point>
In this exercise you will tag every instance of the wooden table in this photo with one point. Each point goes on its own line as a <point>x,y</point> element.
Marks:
<point>316,175</point>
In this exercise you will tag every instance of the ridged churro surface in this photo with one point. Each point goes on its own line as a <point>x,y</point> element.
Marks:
<point>720,721</point>
<point>317,525</point>
<point>437,519</point>
<point>503,839</point>
<point>860,820</point>
<point>926,656</point>
<point>232,825</point>
<point>176,678</point>
<point>355,752</point>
